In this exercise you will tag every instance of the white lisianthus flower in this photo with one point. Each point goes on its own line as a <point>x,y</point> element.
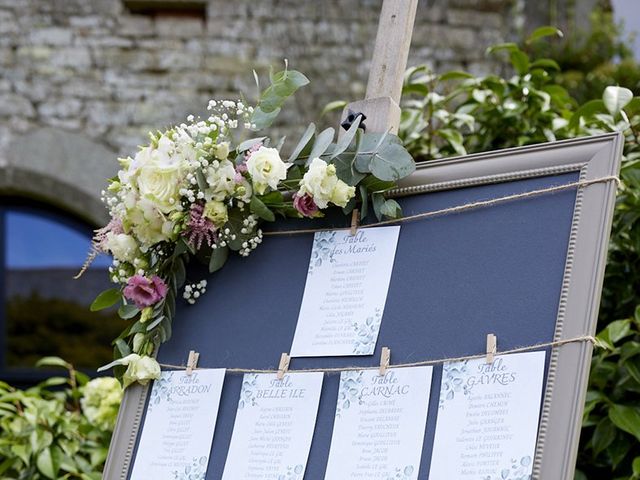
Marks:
<point>321,183</point>
<point>266,169</point>
<point>221,181</point>
<point>216,212</point>
<point>122,246</point>
<point>342,193</point>
<point>149,224</point>
<point>222,151</point>
<point>140,369</point>
<point>243,191</point>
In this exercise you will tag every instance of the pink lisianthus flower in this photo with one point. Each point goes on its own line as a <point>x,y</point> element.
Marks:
<point>144,291</point>
<point>305,205</point>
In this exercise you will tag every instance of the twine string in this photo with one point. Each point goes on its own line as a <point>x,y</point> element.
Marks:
<point>557,343</point>
<point>458,208</point>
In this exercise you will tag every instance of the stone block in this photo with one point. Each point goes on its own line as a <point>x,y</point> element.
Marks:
<point>8,24</point>
<point>85,88</point>
<point>56,36</point>
<point>182,27</point>
<point>74,57</point>
<point>135,26</point>
<point>108,114</point>
<point>12,104</point>
<point>60,108</point>
<point>179,60</point>
<point>475,19</point>
<point>129,59</point>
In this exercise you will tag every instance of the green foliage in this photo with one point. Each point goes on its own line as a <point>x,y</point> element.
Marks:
<point>38,326</point>
<point>456,113</point>
<point>590,61</point>
<point>60,433</point>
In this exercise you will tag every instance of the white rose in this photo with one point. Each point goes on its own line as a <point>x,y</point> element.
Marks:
<point>342,193</point>
<point>319,182</point>
<point>122,246</point>
<point>160,184</point>
<point>221,180</point>
<point>266,169</point>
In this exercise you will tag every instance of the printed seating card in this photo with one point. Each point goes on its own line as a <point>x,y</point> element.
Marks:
<point>345,292</point>
<point>178,428</point>
<point>488,418</point>
<point>274,426</point>
<point>379,424</point>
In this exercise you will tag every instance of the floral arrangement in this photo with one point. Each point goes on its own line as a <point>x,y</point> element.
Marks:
<point>203,188</point>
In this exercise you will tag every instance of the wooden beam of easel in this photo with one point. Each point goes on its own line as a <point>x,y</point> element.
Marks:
<point>389,62</point>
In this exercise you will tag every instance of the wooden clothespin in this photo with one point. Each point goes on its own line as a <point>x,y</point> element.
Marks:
<point>385,359</point>
<point>492,347</point>
<point>192,361</point>
<point>355,221</point>
<point>283,366</point>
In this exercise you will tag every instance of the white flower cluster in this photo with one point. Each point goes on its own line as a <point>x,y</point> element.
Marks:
<point>193,291</point>
<point>185,183</point>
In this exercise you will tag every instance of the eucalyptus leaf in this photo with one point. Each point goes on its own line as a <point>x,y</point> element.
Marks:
<point>218,258</point>
<point>179,272</point>
<point>304,141</point>
<point>391,209</point>
<point>248,144</point>
<point>392,162</point>
<point>323,140</point>
<point>345,169</point>
<point>202,181</point>
<point>155,323</point>
<point>259,208</point>
<point>347,138</point>
<point>128,311</point>
<point>261,119</point>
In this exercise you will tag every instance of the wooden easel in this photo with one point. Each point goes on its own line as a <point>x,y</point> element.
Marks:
<point>389,62</point>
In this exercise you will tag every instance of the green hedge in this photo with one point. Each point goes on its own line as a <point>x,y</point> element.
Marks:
<point>455,113</point>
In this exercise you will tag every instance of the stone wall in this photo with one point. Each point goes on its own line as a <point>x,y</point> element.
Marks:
<point>93,68</point>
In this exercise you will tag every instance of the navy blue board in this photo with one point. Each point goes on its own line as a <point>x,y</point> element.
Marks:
<point>455,279</point>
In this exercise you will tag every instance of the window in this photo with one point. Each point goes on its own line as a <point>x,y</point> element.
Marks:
<point>43,310</point>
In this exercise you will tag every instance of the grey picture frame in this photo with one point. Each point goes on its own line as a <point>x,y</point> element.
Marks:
<point>561,415</point>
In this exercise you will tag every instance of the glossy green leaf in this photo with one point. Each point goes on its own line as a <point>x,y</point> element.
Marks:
<point>333,106</point>
<point>626,418</point>
<point>53,362</point>
<point>106,299</point>
<point>546,31</point>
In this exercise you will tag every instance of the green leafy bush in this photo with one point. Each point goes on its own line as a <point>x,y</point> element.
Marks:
<point>457,113</point>
<point>59,429</point>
